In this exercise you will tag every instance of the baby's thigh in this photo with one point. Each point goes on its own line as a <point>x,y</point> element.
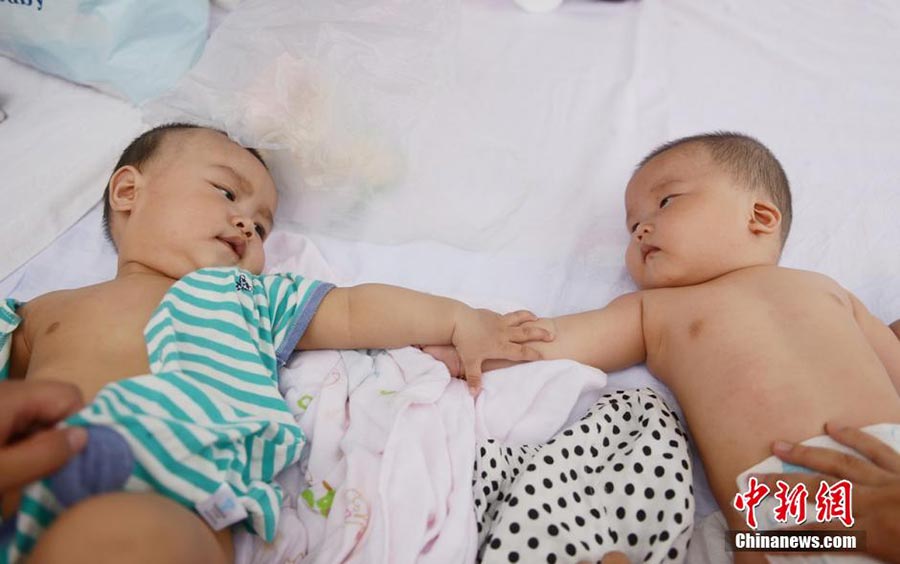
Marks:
<point>131,527</point>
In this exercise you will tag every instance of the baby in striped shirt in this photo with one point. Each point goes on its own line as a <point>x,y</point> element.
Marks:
<point>179,356</point>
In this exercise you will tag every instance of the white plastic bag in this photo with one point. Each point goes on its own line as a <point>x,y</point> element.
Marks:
<point>329,91</point>
<point>476,126</point>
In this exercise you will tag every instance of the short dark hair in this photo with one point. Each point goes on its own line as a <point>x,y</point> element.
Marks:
<point>751,163</point>
<point>141,150</point>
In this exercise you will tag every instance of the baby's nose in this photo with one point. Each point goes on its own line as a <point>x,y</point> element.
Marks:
<point>245,228</point>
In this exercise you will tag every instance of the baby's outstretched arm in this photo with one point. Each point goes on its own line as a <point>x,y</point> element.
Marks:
<point>610,339</point>
<point>886,345</point>
<point>380,316</point>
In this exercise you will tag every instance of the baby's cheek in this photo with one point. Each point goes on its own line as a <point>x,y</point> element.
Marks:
<point>633,262</point>
<point>256,262</point>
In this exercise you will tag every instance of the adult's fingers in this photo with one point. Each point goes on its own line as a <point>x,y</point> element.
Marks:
<point>25,405</point>
<point>38,455</point>
<point>832,462</point>
<point>878,452</point>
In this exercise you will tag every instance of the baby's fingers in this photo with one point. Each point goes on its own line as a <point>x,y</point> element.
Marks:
<point>529,332</point>
<point>520,353</point>
<point>473,376</point>
<point>519,317</point>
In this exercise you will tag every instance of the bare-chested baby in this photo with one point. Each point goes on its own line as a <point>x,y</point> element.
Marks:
<point>753,352</point>
<point>178,356</point>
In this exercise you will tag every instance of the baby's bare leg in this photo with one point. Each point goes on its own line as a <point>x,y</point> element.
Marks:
<point>131,527</point>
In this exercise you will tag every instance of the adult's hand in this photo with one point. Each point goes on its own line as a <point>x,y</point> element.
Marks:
<point>30,448</point>
<point>876,484</point>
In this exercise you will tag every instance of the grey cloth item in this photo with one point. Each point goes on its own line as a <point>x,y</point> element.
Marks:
<point>103,466</point>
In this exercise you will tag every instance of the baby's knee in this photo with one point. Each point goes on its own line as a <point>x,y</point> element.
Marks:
<point>134,528</point>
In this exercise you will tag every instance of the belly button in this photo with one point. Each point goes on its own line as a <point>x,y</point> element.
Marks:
<point>53,327</point>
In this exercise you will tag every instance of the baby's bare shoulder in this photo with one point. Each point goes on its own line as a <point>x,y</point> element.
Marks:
<point>34,307</point>
<point>770,282</point>
<point>36,314</point>
<point>41,311</point>
<point>776,277</point>
<point>809,276</point>
<point>774,273</point>
<point>51,301</point>
<point>802,282</point>
<point>73,304</point>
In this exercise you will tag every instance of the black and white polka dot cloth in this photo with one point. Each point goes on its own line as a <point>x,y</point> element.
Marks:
<point>618,479</point>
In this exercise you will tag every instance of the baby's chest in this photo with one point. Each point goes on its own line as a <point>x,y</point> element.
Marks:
<point>681,314</point>
<point>688,329</point>
<point>738,320</point>
<point>88,340</point>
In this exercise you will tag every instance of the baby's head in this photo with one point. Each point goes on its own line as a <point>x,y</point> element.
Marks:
<point>184,197</point>
<point>702,206</point>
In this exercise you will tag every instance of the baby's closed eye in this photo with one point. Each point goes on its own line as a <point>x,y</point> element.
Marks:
<point>667,200</point>
<point>227,192</point>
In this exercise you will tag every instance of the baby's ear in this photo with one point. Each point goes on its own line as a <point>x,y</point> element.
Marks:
<point>123,187</point>
<point>766,217</point>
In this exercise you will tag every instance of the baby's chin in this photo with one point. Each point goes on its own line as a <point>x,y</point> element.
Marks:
<point>654,282</point>
<point>252,268</point>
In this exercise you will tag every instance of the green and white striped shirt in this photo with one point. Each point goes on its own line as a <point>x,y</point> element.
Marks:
<point>210,412</point>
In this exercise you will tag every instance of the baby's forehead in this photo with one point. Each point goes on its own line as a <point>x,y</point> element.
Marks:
<point>201,146</point>
<point>680,162</point>
<point>196,140</point>
<point>683,158</point>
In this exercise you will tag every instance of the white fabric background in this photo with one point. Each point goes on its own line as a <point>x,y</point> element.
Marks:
<point>514,192</point>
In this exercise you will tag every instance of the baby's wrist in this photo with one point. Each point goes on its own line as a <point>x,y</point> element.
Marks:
<point>460,312</point>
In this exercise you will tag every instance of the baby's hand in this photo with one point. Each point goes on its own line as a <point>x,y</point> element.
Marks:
<point>481,334</point>
<point>448,355</point>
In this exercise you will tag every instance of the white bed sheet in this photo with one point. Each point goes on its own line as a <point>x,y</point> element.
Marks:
<point>568,102</point>
<point>58,144</point>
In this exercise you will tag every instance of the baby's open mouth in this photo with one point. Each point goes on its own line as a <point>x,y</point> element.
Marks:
<point>647,250</point>
<point>236,244</point>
